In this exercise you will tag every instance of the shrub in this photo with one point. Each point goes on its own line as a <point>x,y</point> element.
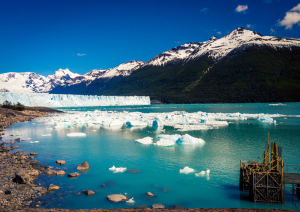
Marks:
<point>9,105</point>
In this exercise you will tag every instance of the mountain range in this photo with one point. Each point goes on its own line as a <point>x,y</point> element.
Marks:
<point>243,66</point>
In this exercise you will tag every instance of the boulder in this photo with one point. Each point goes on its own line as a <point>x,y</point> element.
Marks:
<point>17,139</point>
<point>149,194</point>
<point>60,162</point>
<point>88,192</point>
<point>23,177</point>
<point>53,187</point>
<point>75,174</point>
<point>60,173</point>
<point>50,172</point>
<point>83,166</point>
<point>116,197</point>
<point>157,206</point>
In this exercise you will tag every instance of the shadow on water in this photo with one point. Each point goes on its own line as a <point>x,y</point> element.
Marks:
<point>234,192</point>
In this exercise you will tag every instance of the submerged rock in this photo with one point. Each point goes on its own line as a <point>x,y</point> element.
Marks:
<point>116,197</point>
<point>33,153</point>
<point>75,174</point>
<point>50,172</point>
<point>60,162</point>
<point>149,194</point>
<point>83,166</point>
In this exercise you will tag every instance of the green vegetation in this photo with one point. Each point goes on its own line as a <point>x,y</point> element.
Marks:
<point>9,105</point>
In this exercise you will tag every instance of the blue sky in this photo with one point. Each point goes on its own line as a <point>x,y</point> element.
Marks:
<point>42,36</point>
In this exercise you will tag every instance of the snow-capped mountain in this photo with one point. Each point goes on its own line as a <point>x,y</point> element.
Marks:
<point>29,82</point>
<point>238,39</point>
<point>219,48</point>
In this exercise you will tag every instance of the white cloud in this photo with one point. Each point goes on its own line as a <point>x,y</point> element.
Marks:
<point>291,17</point>
<point>177,42</point>
<point>204,10</point>
<point>241,8</point>
<point>219,33</point>
<point>80,54</point>
<point>272,31</point>
<point>296,8</point>
<point>248,25</point>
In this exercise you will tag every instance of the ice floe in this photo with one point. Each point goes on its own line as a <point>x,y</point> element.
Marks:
<point>46,134</point>
<point>146,140</point>
<point>203,173</point>
<point>186,170</point>
<point>76,134</point>
<point>116,170</point>
<point>130,200</point>
<point>187,139</point>
<point>32,142</point>
<point>165,142</point>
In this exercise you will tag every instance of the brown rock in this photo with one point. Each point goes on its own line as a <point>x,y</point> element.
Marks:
<point>22,177</point>
<point>53,187</point>
<point>75,174</point>
<point>60,173</point>
<point>60,162</point>
<point>157,206</point>
<point>150,194</point>
<point>116,197</point>
<point>88,192</point>
<point>83,166</point>
<point>50,172</point>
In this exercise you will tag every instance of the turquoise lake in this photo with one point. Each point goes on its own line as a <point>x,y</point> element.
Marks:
<point>159,166</point>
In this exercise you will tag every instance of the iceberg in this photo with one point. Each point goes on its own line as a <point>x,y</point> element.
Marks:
<point>165,142</point>
<point>187,139</point>
<point>146,140</point>
<point>62,100</point>
<point>186,170</point>
<point>266,119</point>
<point>130,200</point>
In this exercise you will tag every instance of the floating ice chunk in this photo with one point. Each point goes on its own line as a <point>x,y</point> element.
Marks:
<point>187,139</point>
<point>186,170</point>
<point>94,130</point>
<point>266,119</point>
<point>33,142</point>
<point>46,134</point>
<point>165,142</point>
<point>183,128</point>
<point>76,134</point>
<point>130,200</point>
<point>202,173</point>
<point>169,137</point>
<point>207,172</point>
<point>146,140</point>
<point>115,169</point>
<point>136,123</point>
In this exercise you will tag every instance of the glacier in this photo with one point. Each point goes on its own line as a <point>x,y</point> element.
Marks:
<point>62,100</point>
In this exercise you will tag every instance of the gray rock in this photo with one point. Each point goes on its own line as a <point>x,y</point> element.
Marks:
<point>75,174</point>
<point>116,197</point>
<point>88,192</point>
<point>158,206</point>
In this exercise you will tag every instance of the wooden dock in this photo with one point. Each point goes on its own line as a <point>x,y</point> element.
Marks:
<point>291,178</point>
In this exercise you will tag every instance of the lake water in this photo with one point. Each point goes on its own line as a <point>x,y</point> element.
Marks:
<point>159,166</point>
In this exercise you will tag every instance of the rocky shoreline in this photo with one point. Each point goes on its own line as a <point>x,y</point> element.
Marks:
<point>18,170</point>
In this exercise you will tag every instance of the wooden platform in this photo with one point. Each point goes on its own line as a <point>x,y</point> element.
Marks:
<point>291,178</point>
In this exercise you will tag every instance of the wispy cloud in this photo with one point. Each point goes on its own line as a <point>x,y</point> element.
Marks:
<point>177,42</point>
<point>219,33</point>
<point>248,25</point>
<point>272,31</point>
<point>80,55</point>
<point>241,8</point>
<point>204,10</point>
<point>291,17</point>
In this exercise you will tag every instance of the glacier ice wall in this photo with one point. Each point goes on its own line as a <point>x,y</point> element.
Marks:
<point>62,100</point>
